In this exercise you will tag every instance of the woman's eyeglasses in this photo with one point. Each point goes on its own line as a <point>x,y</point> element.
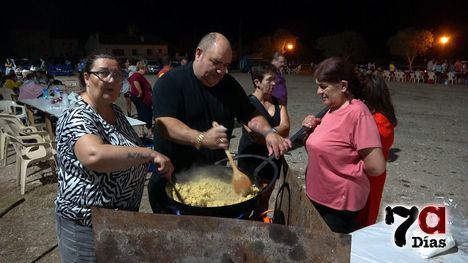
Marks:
<point>106,75</point>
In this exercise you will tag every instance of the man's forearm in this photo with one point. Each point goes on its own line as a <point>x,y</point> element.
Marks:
<point>176,131</point>
<point>259,125</point>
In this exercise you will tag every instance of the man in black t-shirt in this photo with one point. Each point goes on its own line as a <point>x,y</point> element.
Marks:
<point>189,98</point>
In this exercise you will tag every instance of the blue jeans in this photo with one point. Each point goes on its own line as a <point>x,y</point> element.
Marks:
<point>75,242</point>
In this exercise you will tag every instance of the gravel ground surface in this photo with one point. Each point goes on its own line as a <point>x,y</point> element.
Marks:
<point>429,163</point>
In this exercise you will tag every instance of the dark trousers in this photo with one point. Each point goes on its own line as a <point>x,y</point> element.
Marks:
<point>144,112</point>
<point>339,221</point>
<point>156,188</point>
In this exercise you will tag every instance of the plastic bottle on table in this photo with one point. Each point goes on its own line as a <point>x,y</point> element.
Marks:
<point>57,92</point>
<point>45,93</point>
<point>65,99</point>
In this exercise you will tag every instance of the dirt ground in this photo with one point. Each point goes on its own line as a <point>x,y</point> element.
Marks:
<point>429,163</point>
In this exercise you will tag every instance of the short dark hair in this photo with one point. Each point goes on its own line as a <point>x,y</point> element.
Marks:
<point>259,71</point>
<point>336,69</point>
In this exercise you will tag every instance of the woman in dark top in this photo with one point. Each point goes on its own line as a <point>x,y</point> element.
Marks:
<point>263,78</point>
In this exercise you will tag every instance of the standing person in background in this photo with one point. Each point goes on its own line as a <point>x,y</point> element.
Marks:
<point>130,69</point>
<point>8,67</point>
<point>166,66</point>
<point>183,61</point>
<point>101,160</point>
<point>343,149</point>
<point>280,92</point>
<point>392,69</point>
<point>141,95</point>
<point>378,100</point>
<point>263,79</point>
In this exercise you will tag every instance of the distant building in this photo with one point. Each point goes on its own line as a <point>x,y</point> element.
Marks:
<point>34,44</point>
<point>126,46</point>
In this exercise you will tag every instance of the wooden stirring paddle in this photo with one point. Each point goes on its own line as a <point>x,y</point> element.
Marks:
<point>240,181</point>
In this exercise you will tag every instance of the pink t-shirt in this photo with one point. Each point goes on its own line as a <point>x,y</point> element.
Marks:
<point>335,174</point>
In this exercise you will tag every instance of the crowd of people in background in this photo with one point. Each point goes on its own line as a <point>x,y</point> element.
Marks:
<point>435,72</point>
<point>27,85</point>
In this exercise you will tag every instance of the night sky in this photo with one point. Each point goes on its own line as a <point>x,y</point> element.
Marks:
<point>181,24</point>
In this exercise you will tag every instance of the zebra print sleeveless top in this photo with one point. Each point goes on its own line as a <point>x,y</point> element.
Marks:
<point>80,188</point>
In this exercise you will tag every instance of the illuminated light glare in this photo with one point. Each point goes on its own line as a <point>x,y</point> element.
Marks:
<point>444,40</point>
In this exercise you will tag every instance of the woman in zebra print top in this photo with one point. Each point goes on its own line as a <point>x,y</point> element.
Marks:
<point>101,160</point>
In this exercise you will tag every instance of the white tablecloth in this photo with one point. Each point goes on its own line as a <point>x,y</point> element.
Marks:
<point>56,109</point>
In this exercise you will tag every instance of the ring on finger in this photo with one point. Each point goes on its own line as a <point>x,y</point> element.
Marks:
<point>220,140</point>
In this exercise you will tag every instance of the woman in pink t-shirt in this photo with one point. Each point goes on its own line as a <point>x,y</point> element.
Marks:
<point>343,149</point>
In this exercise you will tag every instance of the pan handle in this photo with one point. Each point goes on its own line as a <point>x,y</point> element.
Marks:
<point>294,137</point>
<point>304,129</point>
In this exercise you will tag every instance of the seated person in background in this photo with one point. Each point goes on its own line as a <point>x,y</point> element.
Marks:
<point>263,78</point>
<point>52,81</point>
<point>30,89</point>
<point>11,81</point>
<point>41,78</point>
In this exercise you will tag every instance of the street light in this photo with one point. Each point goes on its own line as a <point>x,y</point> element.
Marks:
<point>444,40</point>
<point>287,47</point>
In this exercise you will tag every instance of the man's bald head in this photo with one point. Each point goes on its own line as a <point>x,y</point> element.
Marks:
<point>212,58</point>
<point>211,39</point>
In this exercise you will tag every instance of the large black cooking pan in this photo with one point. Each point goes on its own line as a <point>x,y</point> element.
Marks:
<point>238,210</point>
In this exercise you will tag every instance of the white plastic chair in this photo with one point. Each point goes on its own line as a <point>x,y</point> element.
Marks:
<point>7,93</point>
<point>3,145</point>
<point>13,108</point>
<point>413,77</point>
<point>297,69</point>
<point>28,153</point>
<point>400,76</point>
<point>418,76</point>
<point>12,125</point>
<point>386,74</point>
<point>431,77</point>
<point>451,77</point>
